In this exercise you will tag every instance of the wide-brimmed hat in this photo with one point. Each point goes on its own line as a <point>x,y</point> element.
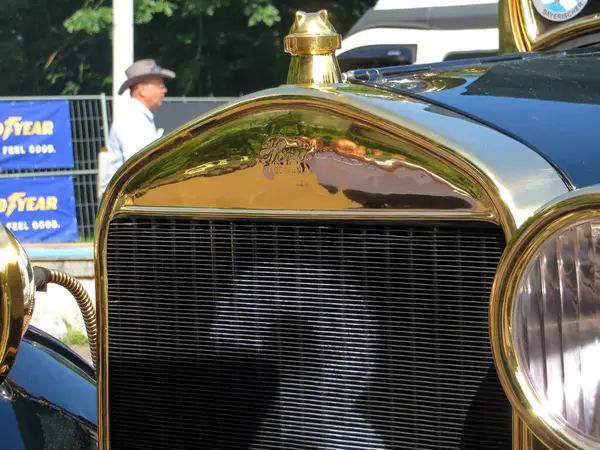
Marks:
<point>142,70</point>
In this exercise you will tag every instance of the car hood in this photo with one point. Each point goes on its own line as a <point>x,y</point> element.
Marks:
<point>550,102</point>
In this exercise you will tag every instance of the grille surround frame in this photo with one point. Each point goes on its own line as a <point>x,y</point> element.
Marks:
<point>441,138</point>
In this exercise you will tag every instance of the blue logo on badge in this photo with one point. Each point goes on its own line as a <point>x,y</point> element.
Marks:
<point>559,10</point>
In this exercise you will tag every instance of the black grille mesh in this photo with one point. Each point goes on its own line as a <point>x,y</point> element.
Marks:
<point>253,335</point>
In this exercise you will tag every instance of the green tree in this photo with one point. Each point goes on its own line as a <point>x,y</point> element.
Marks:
<point>39,56</point>
<point>217,47</point>
<point>227,52</point>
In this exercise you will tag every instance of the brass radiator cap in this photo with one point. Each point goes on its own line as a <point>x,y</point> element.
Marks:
<point>312,34</point>
<point>312,42</point>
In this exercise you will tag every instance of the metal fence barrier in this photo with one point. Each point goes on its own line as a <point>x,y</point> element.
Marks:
<point>90,124</point>
<point>89,131</point>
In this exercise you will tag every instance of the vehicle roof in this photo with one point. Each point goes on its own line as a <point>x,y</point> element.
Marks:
<point>430,15</point>
<point>549,101</point>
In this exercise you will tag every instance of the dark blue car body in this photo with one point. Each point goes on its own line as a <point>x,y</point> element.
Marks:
<point>548,101</point>
<point>48,401</point>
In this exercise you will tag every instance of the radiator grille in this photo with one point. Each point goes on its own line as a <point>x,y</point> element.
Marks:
<point>254,335</point>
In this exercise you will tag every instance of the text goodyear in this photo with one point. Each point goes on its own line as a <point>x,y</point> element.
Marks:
<point>36,135</point>
<point>17,126</point>
<point>39,209</point>
<point>20,202</point>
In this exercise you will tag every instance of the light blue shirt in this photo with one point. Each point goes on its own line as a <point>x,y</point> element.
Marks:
<point>131,132</point>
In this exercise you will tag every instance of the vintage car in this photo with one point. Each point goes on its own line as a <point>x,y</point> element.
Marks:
<point>397,258</point>
<point>402,32</point>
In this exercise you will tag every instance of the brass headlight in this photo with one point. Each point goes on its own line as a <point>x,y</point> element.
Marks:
<point>545,321</point>
<point>17,297</point>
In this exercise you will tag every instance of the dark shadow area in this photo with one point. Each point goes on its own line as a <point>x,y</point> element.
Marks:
<point>215,401</point>
<point>406,201</point>
<point>488,408</point>
<point>43,427</point>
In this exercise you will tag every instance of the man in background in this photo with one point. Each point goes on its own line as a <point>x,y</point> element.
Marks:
<point>135,128</point>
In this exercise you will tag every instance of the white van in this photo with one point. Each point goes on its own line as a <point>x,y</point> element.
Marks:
<point>401,32</point>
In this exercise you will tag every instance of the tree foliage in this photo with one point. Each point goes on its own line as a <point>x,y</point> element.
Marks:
<point>217,47</point>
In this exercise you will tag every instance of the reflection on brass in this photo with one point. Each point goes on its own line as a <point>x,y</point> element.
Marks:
<point>333,173</point>
<point>563,211</point>
<point>431,82</point>
<point>13,299</point>
<point>212,169</point>
<point>380,147</point>
<point>524,29</point>
<point>312,42</point>
<point>281,150</point>
<point>523,438</point>
<point>342,166</point>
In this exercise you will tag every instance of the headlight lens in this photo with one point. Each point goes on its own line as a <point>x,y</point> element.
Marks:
<point>557,327</point>
<point>545,321</point>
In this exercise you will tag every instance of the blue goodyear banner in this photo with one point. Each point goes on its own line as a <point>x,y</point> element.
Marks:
<point>35,135</point>
<point>39,209</point>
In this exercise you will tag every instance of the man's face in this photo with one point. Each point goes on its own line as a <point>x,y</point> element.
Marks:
<point>152,92</point>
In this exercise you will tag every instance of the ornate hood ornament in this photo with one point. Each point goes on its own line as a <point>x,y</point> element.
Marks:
<point>312,42</point>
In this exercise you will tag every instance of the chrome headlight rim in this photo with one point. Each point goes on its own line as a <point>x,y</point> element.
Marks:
<point>29,292</point>
<point>565,211</point>
<point>17,297</point>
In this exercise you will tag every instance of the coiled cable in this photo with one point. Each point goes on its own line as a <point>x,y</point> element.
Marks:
<point>44,276</point>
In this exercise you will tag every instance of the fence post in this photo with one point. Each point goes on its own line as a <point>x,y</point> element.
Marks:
<point>105,124</point>
<point>103,153</point>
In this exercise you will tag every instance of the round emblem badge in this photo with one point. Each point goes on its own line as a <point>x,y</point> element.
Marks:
<point>559,10</point>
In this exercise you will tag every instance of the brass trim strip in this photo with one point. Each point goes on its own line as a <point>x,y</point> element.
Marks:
<point>324,215</point>
<point>511,36</point>
<point>523,438</point>
<point>559,213</point>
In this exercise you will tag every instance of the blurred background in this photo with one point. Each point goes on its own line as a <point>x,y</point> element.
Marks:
<point>220,48</point>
